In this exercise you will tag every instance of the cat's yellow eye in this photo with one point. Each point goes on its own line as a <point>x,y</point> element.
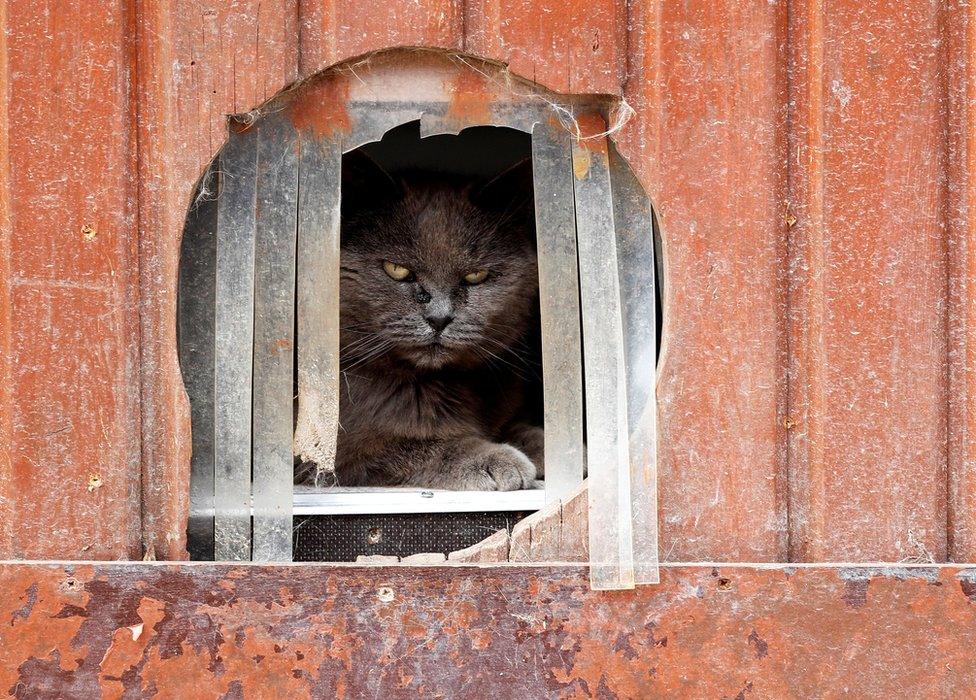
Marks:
<point>397,272</point>
<point>476,277</point>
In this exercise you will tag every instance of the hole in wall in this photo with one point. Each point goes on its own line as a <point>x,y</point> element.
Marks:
<point>475,154</point>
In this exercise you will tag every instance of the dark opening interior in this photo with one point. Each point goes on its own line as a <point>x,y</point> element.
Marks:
<point>475,155</point>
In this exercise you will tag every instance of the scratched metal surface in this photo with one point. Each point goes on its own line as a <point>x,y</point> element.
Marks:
<point>814,176</point>
<point>136,630</point>
<point>233,345</point>
<point>559,309</point>
<point>274,322</point>
<point>610,516</point>
<point>195,329</point>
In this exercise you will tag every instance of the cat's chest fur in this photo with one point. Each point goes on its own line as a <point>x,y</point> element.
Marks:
<point>406,406</point>
<point>414,407</point>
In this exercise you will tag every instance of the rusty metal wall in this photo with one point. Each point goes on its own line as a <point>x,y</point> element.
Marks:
<point>813,169</point>
<point>179,631</point>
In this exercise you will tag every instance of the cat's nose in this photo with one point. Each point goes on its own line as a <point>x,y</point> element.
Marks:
<point>438,321</point>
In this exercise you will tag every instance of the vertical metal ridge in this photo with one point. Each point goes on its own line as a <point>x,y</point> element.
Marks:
<point>559,309</point>
<point>959,211</point>
<point>320,174</point>
<point>7,391</point>
<point>634,235</point>
<point>274,309</point>
<point>234,335</point>
<point>807,361</point>
<point>607,444</point>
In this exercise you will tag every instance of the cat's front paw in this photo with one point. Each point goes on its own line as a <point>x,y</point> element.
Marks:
<point>531,441</point>
<point>497,468</point>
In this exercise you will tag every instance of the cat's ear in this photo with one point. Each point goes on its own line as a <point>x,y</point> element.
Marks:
<point>364,181</point>
<point>510,190</point>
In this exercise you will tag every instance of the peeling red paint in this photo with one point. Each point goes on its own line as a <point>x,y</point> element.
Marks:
<point>470,96</point>
<point>320,108</point>
<point>205,631</point>
<point>968,587</point>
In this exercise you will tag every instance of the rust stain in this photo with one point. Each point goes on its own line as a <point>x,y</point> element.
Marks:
<point>320,108</point>
<point>470,98</point>
<point>239,123</point>
<point>581,163</point>
<point>94,482</point>
<point>592,128</point>
<point>589,143</point>
<point>761,647</point>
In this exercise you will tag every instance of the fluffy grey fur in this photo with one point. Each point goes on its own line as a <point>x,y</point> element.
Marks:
<point>457,406</point>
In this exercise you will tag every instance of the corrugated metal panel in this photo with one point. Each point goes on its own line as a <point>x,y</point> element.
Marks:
<point>708,81</point>
<point>69,459</point>
<point>814,373</point>
<point>868,283</point>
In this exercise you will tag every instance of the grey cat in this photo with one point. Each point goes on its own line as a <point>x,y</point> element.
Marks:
<point>439,339</point>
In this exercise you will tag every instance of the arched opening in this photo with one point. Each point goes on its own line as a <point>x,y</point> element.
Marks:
<point>260,304</point>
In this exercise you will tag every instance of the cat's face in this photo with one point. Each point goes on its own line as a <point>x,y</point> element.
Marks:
<point>435,275</point>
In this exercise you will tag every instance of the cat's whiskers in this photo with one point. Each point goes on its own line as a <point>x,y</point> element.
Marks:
<point>513,208</point>
<point>349,361</point>
<point>354,326</point>
<point>490,355</point>
<point>372,354</point>
<point>372,358</point>
<point>516,341</point>
<point>357,345</point>
<point>509,349</point>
